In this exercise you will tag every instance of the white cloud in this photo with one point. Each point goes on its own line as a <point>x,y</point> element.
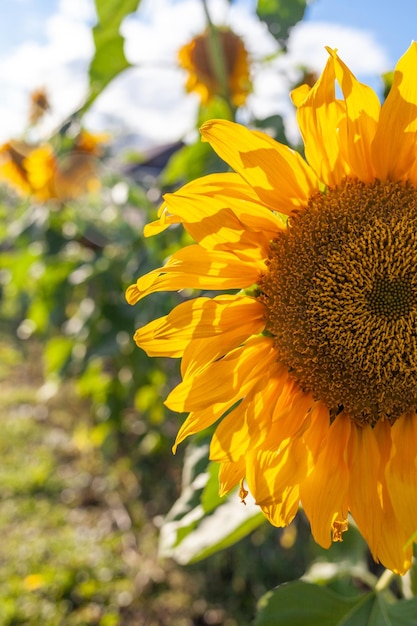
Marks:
<point>145,102</point>
<point>78,10</point>
<point>358,48</point>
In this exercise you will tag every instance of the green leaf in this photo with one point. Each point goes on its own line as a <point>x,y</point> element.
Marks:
<point>109,59</point>
<point>386,613</point>
<point>413,573</point>
<point>273,124</point>
<point>280,16</point>
<point>201,523</point>
<point>361,612</point>
<point>299,602</point>
<point>57,352</point>
<point>191,162</point>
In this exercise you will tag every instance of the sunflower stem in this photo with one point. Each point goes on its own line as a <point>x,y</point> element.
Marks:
<point>384,580</point>
<point>216,54</point>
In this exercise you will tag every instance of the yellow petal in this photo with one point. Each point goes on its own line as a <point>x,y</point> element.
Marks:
<point>224,191</point>
<point>364,495</point>
<point>224,322</point>
<point>290,415</point>
<point>209,410</point>
<point>224,218</point>
<point>313,431</point>
<point>362,113</point>
<point>401,472</point>
<point>275,473</point>
<point>161,224</point>
<point>394,550</point>
<point>324,492</point>
<point>394,147</point>
<point>218,227</point>
<point>277,174</point>
<point>195,268</point>
<point>222,380</point>
<point>270,473</point>
<point>247,426</point>
<point>198,421</point>
<point>319,117</point>
<point>230,475</point>
<point>282,513</point>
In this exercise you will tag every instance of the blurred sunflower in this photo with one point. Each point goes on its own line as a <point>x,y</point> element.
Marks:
<point>28,169</point>
<point>77,171</point>
<point>204,77</point>
<point>37,171</point>
<point>313,364</point>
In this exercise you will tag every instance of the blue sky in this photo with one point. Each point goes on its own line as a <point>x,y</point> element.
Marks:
<point>48,43</point>
<point>393,22</point>
<point>23,19</point>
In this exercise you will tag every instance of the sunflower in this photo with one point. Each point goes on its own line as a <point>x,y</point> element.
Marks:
<point>28,169</point>
<point>77,171</point>
<point>37,171</point>
<point>196,58</point>
<point>311,364</point>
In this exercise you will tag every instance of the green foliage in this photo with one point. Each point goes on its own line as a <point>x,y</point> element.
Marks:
<point>109,59</point>
<point>191,162</point>
<point>298,603</point>
<point>280,16</point>
<point>387,79</point>
<point>303,603</point>
<point>65,269</point>
<point>413,574</point>
<point>274,125</point>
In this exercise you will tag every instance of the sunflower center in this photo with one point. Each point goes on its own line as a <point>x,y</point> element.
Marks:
<point>340,296</point>
<point>201,57</point>
<point>392,298</point>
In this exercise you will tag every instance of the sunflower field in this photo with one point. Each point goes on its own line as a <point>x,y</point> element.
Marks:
<point>209,348</point>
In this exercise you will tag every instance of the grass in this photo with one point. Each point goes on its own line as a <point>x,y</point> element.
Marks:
<point>79,518</point>
<point>77,546</point>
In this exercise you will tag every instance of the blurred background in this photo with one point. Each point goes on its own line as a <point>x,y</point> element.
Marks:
<point>99,115</point>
